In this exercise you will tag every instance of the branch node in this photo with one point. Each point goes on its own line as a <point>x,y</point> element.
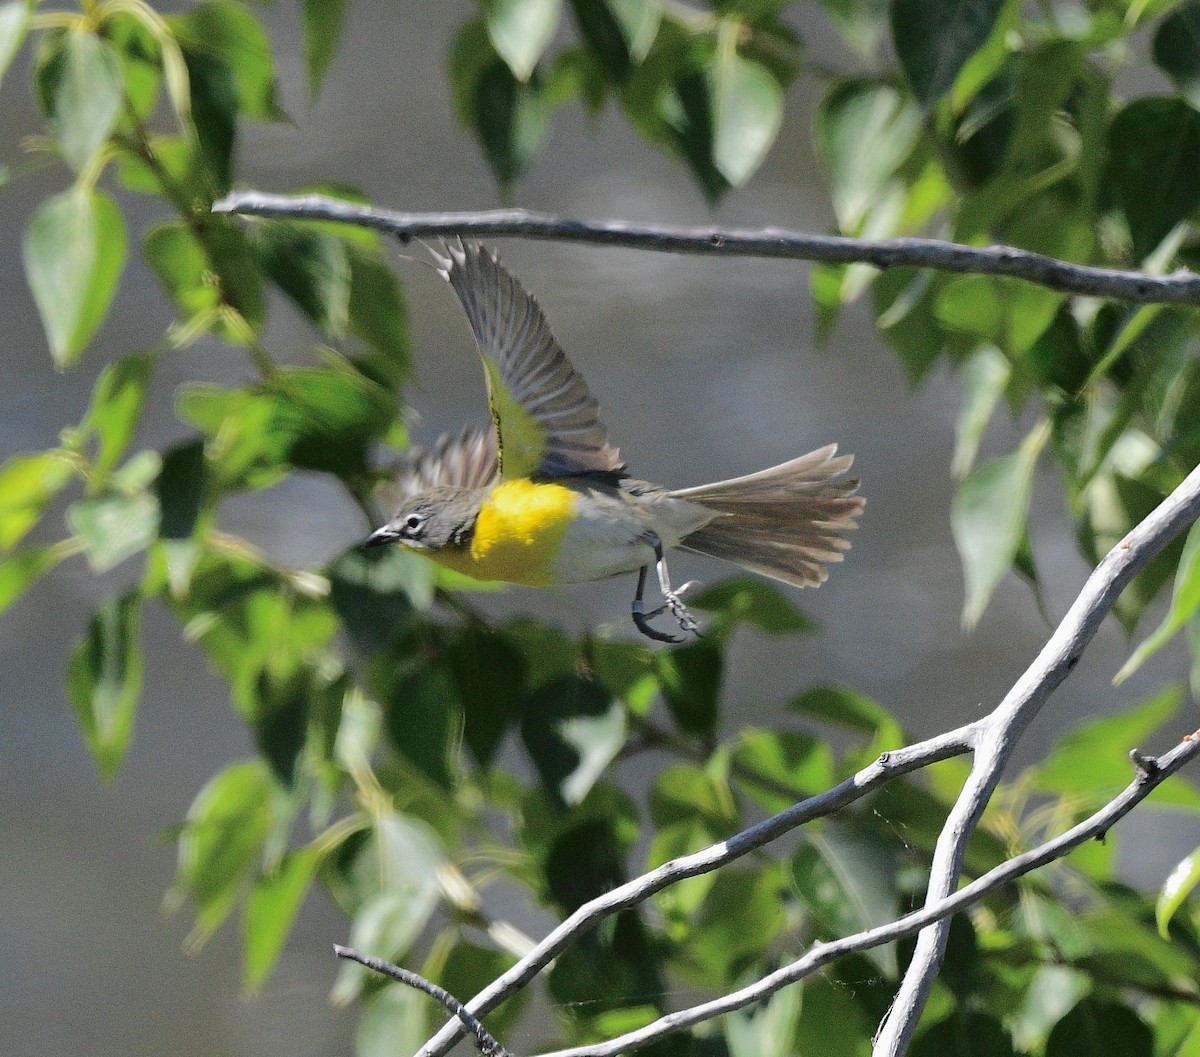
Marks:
<point>885,759</point>
<point>1147,766</point>
<point>486,1042</point>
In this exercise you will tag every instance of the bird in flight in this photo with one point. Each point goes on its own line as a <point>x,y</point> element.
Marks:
<point>543,498</point>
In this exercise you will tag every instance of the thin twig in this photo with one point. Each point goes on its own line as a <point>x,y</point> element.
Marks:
<point>822,954</point>
<point>1181,287</point>
<point>488,1045</point>
<point>1004,726</point>
<point>887,767</point>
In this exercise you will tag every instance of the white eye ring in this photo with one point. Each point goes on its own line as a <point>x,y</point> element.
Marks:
<point>412,522</point>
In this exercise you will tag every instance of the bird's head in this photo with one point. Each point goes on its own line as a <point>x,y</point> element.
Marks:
<point>429,521</point>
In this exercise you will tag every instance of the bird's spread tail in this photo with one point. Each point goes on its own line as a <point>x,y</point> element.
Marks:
<point>785,522</point>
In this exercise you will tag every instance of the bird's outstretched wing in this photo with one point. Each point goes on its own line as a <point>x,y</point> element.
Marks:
<point>547,423</point>
<point>460,460</point>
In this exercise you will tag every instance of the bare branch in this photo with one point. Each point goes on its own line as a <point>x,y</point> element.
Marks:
<point>487,1043</point>
<point>887,767</point>
<point>1181,287</point>
<point>822,954</point>
<point>1005,725</point>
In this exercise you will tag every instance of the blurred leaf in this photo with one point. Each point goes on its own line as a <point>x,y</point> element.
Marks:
<point>779,768</point>
<point>213,98</point>
<point>374,592</point>
<point>864,131</point>
<point>747,110</point>
<point>985,376</point>
<point>114,527</point>
<point>469,969</point>
<point>312,268</point>
<point>1176,50</point>
<point>117,400</point>
<point>421,705</point>
<point>690,679</point>
<point>1176,888</point>
<point>1185,599</point>
<point>394,1020</point>
<point>104,681</point>
<point>964,1034</point>
<point>573,729</point>
<point>227,32</point>
<point>861,23</point>
<point>988,519</point>
<point>398,875</point>
<point>322,22</point>
<point>752,600</point>
<point>80,87</point>
<point>182,491</point>
<point>1154,163</point>
<point>1100,1028</point>
<point>848,881</point>
<point>521,30</point>
<point>970,304</point>
<point>182,267</point>
<point>14,24</point>
<point>1092,761</point>
<point>222,837</point>
<point>271,908</point>
<point>27,484</point>
<point>490,675</point>
<point>21,570</point>
<point>74,251</point>
<point>935,38</point>
<point>766,1029</point>
<point>845,708</point>
<point>741,915</point>
<point>378,317</point>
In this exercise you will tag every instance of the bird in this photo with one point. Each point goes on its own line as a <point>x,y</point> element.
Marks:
<point>543,498</point>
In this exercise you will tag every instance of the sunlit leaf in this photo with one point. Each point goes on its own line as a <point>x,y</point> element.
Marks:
<point>104,681</point>
<point>114,527</point>
<point>521,30</point>
<point>22,569</point>
<point>74,251</point>
<point>80,85</point>
<point>116,410</point>
<point>271,909</point>
<point>27,484</point>
<point>1185,599</point>
<point>985,376</point>
<point>14,24</point>
<point>747,107</point>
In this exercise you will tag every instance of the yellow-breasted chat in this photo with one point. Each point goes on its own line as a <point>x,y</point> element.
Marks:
<point>543,498</point>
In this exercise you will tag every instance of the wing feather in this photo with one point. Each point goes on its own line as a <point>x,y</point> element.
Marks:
<point>460,460</point>
<point>547,422</point>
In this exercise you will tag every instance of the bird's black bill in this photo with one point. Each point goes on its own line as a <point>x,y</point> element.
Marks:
<point>381,536</point>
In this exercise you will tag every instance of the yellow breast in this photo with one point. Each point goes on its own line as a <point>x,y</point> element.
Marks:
<point>517,535</point>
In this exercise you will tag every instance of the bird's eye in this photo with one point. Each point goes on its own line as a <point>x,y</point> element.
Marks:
<point>413,522</point>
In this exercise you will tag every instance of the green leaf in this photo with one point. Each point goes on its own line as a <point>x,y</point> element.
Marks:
<point>271,909</point>
<point>970,304</point>
<point>74,251</point>
<point>20,571</point>
<point>398,877</point>
<point>988,521</point>
<point>1185,599</point>
<point>1096,1027</point>
<point>394,1020</point>
<point>1154,164</point>
<point>848,880</point>
<point>322,22</point>
<point>222,837</point>
<point>521,30</point>
<point>312,268</point>
<point>779,768</point>
<point>964,1033</point>
<point>227,32</point>
<point>1176,50</point>
<point>1176,888</point>
<point>864,131</point>
<point>14,24</point>
<point>690,679</point>
<point>767,1029</point>
<point>935,38</point>
<point>80,86</point>
<point>861,23</point>
<point>117,400</point>
<point>747,110</point>
<point>637,22</point>
<point>182,267</point>
<point>27,484</point>
<point>182,491</point>
<point>422,710</point>
<point>573,729</point>
<point>985,377</point>
<point>378,317</point>
<point>844,708</point>
<point>114,527</point>
<point>1092,762</point>
<point>104,681</point>
<point>751,600</point>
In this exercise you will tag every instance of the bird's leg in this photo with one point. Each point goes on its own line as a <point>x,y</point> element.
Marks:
<point>672,599</point>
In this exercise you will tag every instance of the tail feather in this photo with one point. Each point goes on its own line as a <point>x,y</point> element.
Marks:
<point>784,522</point>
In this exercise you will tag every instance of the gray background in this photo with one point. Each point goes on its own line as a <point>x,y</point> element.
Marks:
<point>705,368</point>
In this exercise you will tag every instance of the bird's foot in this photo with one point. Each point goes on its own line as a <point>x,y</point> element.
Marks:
<point>673,603</point>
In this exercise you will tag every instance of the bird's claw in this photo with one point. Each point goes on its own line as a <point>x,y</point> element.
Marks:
<point>672,602</point>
